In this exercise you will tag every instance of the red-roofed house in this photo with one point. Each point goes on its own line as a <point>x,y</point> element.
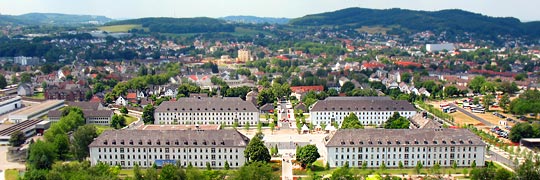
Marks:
<point>408,63</point>
<point>300,91</point>
<point>132,97</point>
<point>371,66</point>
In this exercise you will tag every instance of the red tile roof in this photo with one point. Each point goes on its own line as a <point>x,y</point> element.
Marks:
<point>302,89</point>
<point>131,96</point>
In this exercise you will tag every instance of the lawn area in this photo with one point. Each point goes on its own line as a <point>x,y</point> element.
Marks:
<point>100,129</point>
<point>11,174</point>
<point>461,118</point>
<point>120,28</point>
<point>130,119</point>
<point>38,95</point>
<point>319,169</point>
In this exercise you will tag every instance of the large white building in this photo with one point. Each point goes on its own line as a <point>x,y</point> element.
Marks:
<point>148,147</point>
<point>408,146</point>
<point>370,110</point>
<point>9,103</point>
<point>207,111</point>
<point>440,47</point>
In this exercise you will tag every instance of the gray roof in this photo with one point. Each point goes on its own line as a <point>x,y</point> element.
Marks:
<point>87,113</point>
<point>85,105</point>
<point>362,104</point>
<point>170,138</point>
<point>404,137</point>
<point>207,105</point>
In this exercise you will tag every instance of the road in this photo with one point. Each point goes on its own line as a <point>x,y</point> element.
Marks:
<point>495,156</point>
<point>470,114</point>
<point>286,168</point>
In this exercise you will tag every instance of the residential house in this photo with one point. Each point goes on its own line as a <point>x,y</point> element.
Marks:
<point>121,101</point>
<point>25,89</point>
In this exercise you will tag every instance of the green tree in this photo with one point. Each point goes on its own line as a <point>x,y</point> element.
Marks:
<point>521,130</point>
<point>272,127</point>
<point>246,126</point>
<point>151,174</point>
<point>41,155</point>
<point>488,100</point>
<point>169,171</point>
<point>235,124</point>
<point>351,122</point>
<point>347,87</point>
<point>307,155</point>
<point>327,167</point>
<point>343,173</point>
<point>504,102</point>
<point>82,137</point>
<point>17,138</point>
<point>3,82</point>
<point>255,170</point>
<point>61,143</point>
<point>454,165</point>
<point>436,168</point>
<point>118,121</point>
<point>137,174</point>
<point>256,151</point>
<point>26,78</point>
<point>418,167</point>
<point>473,164</point>
<point>124,110</point>
<point>364,165</point>
<point>383,166</point>
<point>503,174</point>
<point>400,165</point>
<point>259,126</point>
<point>208,166</point>
<point>227,167</point>
<point>397,122</point>
<point>14,79</point>
<point>148,114</point>
<point>476,83</point>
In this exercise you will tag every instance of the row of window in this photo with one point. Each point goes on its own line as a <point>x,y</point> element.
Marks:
<point>167,156</point>
<point>377,156</point>
<point>406,163</point>
<point>185,150</point>
<point>144,164</point>
<point>406,149</point>
<point>196,118</point>
<point>388,113</point>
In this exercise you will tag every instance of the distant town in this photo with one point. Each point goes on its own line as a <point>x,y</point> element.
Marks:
<point>216,99</point>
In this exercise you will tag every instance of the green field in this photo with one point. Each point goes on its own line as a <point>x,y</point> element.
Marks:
<point>130,119</point>
<point>100,129</point>
<point>11,174</point>
<point>38,95</point>
<point>120,28</point>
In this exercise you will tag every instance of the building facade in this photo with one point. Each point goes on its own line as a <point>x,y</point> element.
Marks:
<point>243,55</point>
<point>148,147</point>
<point>202,110</point>
<point>427,146</point>
<point>10,103</point>
<point>370,110</point>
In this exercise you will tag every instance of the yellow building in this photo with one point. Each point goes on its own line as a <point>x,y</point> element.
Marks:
<point>243,55</point>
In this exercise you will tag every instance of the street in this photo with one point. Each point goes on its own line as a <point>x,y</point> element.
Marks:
<point>470,114</point>
<point>286,168</point>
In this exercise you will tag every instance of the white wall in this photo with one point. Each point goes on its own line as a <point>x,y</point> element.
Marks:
<point>228,118</point>
<point>365,117</point>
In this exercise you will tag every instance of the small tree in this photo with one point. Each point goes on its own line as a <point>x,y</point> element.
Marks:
<point>259,126</point>
<point>272,127</point>
<point>465,172</point>
<point>436,167</point>
<point>351,122</point>
<point>327,167</point>
<point>276,149</point>
<point>124,110</point>
<point>418,167</point>
<point>235,125</point>
<point>227,167</point>
<point>17,138</point>
<point>246,126</point>
<point>190,165</point>
<point>473,164</point>
<point>307,155</point>
<point>454,165</point>
<point>364,165</point>
<point>208,167</point>
<point>383,166</point>
<point>400,165</point>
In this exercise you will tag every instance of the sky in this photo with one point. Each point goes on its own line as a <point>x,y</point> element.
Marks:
<point>525,10</point>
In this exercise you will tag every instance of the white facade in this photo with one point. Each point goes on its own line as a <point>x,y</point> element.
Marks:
<point>440,47</point>
<point>428,155</point>
<point>207,111</point>
<point>365,117</point>
<point>148,147</point>
<point>369,110</point>
<point>9,104</point>
<point>408,146</point>
<point>121,101</point>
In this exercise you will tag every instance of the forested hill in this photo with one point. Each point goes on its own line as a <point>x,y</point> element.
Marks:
<point>255,19</point>
<point>453,21</point>
<point>180,25</point>
<point>51,19</point>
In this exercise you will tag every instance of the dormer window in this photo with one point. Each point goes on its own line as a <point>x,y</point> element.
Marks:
<point>351,142</point>
<point>130,142</point>
<point>105,142</point>
<point>167,142</point>
<point>149,142</point>
<point>114,142</point>
<point>140,142</point>
<point>185,143</point>
<point>122,142</point>
<point>176,143</point>
<point>194,142</point>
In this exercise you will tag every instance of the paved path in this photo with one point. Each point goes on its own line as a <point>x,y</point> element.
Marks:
<point>468,113</point>
<point>286,168</point>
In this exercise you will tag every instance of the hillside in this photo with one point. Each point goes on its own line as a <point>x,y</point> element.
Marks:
<point>179,25</point>
<point>51,19</point>
<point>255,20</point>
<point>452,21</point>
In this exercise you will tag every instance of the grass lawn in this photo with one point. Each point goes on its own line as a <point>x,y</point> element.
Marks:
<point>130,119</point>
<point>318,169</point>
<point>100,129</point>
<point>120,28</point>
<point>11,174</point>
<point>38,95</point>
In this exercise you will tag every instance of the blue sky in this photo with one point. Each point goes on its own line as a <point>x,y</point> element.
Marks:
<point>525,10</point>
